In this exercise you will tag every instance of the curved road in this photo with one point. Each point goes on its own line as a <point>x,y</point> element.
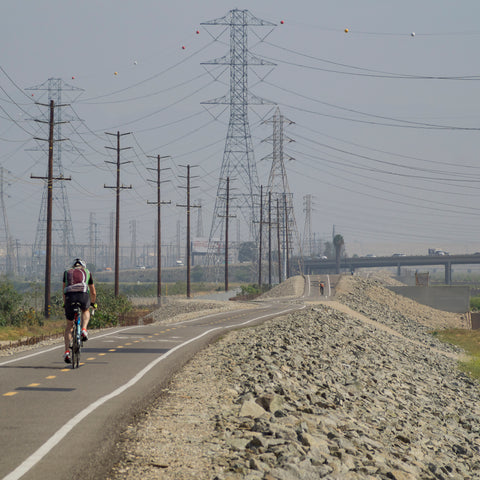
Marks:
<point>60,423</point>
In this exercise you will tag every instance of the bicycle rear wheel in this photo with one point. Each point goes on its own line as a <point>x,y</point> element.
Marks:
<point>76,343</point>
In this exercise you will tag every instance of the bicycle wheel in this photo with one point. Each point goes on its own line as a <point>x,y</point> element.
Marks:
<point>79,345</point>
<point>74,345</point>
<point>76,342</point>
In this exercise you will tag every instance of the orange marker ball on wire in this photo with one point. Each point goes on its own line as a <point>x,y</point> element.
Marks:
<point>346,30</point>
<point>282,22</point>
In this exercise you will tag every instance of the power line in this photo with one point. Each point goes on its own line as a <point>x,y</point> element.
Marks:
<point>151,77</point>
<point>406,123</point>
<point>371,72</point>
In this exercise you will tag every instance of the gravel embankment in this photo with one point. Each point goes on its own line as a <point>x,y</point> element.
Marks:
<point>317,394</point>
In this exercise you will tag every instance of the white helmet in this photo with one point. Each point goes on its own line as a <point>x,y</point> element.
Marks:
<point>79,263</point>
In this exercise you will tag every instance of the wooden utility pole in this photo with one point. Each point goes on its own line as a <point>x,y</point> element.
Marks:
<point>188,207</point>
<point>227,216</point>
<point>50,178</point>
<point>260,240</point>
<point>118,188</point>
<point>270,239</point>
<point>159,204</point>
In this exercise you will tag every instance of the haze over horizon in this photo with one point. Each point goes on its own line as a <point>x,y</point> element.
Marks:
<point>383,98</point>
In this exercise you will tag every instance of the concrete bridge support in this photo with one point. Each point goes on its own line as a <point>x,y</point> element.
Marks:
<point>448,273</point>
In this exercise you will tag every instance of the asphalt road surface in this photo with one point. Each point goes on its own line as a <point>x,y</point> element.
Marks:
<point>59,423</point>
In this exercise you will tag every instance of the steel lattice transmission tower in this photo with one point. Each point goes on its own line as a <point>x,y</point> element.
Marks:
<point>278,185</point>
<point>238,158</point>
<point>62,228</point>
<point>7,255</point>
<point>307,230</point>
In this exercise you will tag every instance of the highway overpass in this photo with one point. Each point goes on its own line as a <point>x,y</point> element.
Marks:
<point>313,266</point>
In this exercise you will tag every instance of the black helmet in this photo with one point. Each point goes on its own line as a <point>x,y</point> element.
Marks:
<point>78,262</point>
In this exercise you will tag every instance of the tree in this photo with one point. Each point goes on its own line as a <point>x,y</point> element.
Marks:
<point>247,252</point>
<point>328,250</point>
<point>338,243</point>
<point>197,274</point>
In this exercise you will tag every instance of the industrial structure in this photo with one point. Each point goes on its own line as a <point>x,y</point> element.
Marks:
<point>238,158</point>
<point>63,249</point>
<point>279,193</point>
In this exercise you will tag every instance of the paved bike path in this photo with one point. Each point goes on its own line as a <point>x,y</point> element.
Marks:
<point>54,419</point>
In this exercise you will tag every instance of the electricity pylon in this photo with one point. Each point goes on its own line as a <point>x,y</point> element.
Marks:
<point>279,189</point>
<point>307,230</point>
<point>238,158</point>
<point>62,227</point>
<point>7,255</point>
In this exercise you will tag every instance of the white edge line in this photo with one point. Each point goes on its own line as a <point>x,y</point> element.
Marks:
<point>33,459</point>
<point>116,331</point>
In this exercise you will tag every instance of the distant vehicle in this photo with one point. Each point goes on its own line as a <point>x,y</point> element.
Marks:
<point>437,251</point>
<point>179,263</point>
<point>399,255</point>
<point>141,267</point>
<point>370,255</point>
<point>322,257</point>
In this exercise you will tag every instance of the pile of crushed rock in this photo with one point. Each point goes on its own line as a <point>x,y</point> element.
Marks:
<point>317,394</point>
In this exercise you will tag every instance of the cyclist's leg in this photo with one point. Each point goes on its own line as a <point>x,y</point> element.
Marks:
<point>85,318</point>
<point>68,334</point>
<point>70,315</point>
<point>85,302</point>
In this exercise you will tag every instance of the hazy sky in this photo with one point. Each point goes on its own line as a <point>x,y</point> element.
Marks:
<point>386,133</point>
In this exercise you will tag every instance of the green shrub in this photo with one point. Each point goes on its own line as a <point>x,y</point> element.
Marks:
<point>475,303</point>
<point>110,308</point>
<point>10,299</point>
<point>14,309</point>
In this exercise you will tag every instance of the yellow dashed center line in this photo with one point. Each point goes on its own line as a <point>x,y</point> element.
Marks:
<point>50,377</point>
<point>66,370</point>
<point>33,385</point>
<point>128,344</point>
<point>9,394</point>
<point>120,346</point>
<point>101,354</point>
<point>113,350</point>
<point>91,358</point>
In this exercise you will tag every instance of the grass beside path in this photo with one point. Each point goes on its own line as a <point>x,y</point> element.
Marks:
<point>469,340</point>
<point>15,333</point>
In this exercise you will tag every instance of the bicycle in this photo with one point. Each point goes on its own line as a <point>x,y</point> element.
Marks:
<point>77,342</point>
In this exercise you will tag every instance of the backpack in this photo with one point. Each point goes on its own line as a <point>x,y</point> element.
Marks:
<point>76,280</point>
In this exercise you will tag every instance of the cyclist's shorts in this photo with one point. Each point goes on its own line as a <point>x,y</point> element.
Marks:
<point>82,297</point>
